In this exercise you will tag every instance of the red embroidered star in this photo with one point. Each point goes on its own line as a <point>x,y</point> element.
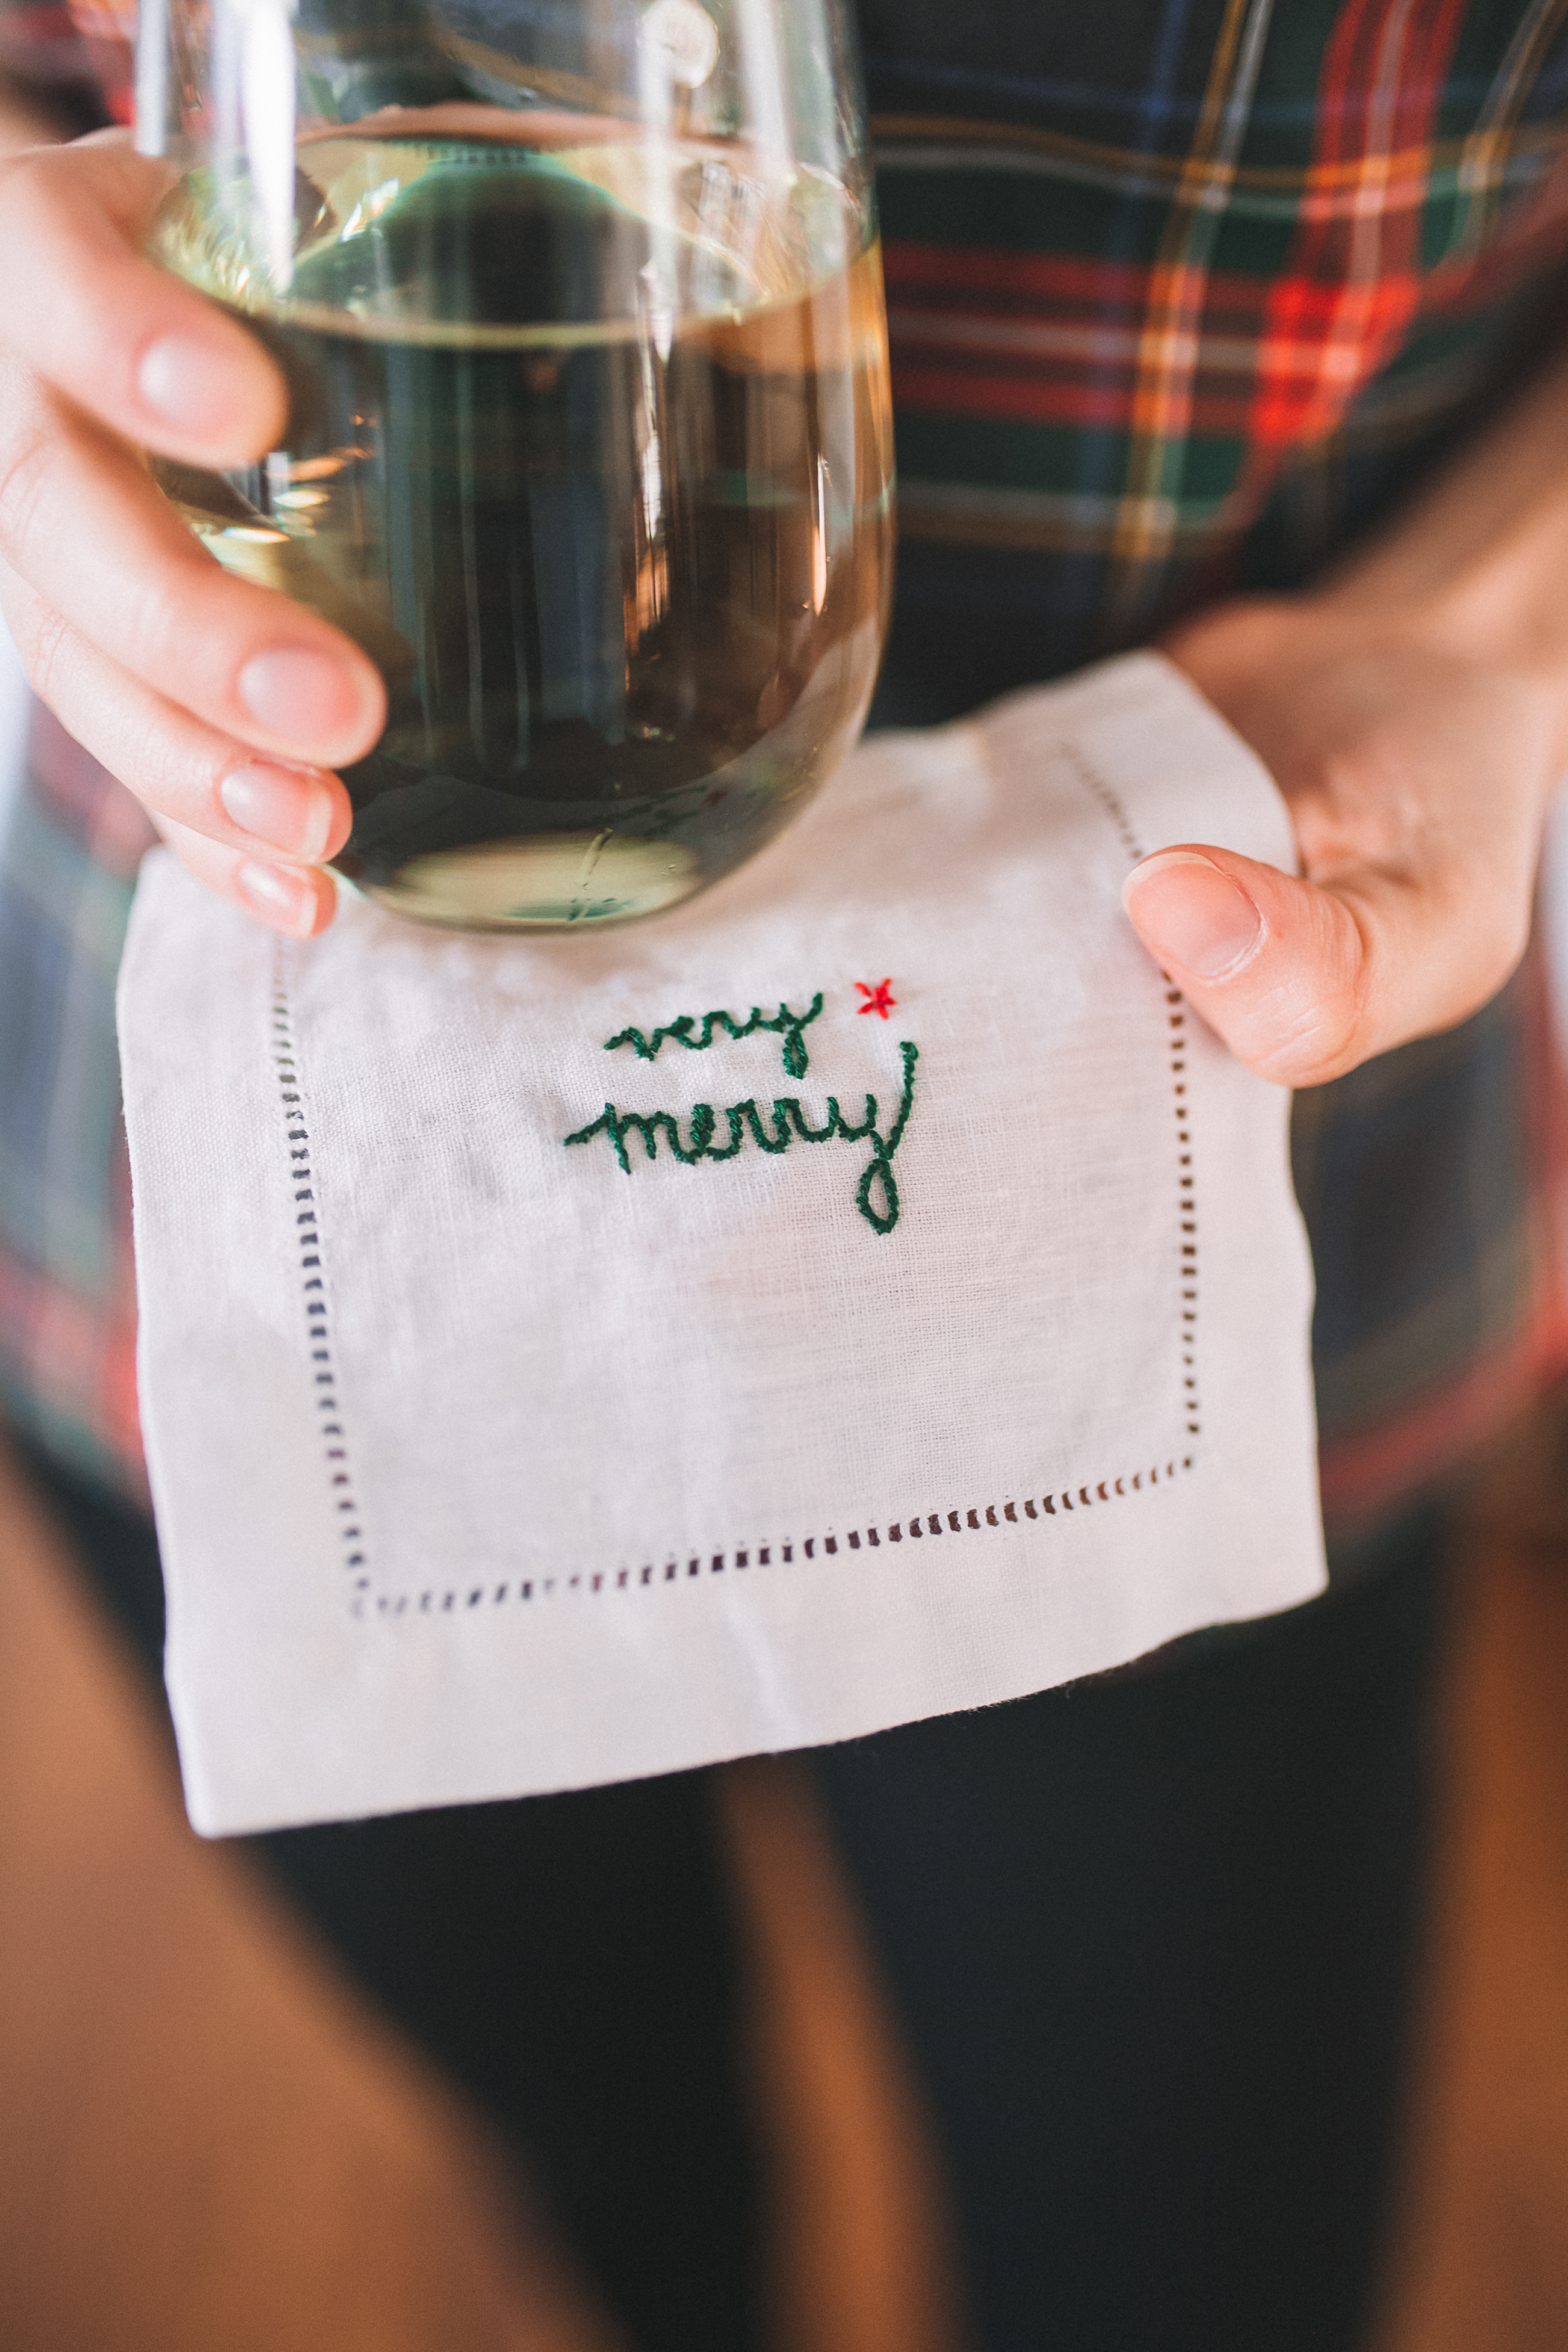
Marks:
<point>880,999</point>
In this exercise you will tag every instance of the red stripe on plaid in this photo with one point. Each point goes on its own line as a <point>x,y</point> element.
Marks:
<point>909,266</point>
<point>40,25</point>
<point>1364,1479</point>
<point>1276,362</point>
<point>940,392</point>
<point>1353,283</point>
<point>954,391</point>
<point>1345,332</point>
<point>56,47</point>
<point>74,1358</point>
<point>1026,282</point>
<point>107,33</point>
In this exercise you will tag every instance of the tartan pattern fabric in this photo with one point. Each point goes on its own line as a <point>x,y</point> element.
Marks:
<point>1182,295</point>
<point>1108,349</point>
<point>1433,1182</point>
<point>79,54</point>
<point>68,1308</point>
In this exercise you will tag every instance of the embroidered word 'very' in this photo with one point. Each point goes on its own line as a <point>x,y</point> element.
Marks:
<point>796,1060</point>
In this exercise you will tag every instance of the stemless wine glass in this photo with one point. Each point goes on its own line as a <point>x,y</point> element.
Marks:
<point>579,304</point>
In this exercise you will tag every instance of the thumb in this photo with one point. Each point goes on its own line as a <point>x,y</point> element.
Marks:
<point>1281,969</point>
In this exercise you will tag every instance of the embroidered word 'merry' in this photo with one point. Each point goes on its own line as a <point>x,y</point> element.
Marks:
<point>789,1125</point>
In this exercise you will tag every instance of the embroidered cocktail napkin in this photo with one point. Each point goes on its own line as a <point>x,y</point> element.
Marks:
<point>866,1293</point>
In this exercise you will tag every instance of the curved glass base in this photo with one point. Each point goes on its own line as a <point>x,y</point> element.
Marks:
<point>544,882</point>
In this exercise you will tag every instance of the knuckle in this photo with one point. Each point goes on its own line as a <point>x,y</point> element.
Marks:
<point>24,474</point>
<point>19,185</point>
<point>1314,1015</point>
<point>31,191</point>
<point>32,180</point>
<point>174,768</point>
<point>144,761</point>
<point>166,628</point>
<point>1329,1041</point>
<point>42,637</point>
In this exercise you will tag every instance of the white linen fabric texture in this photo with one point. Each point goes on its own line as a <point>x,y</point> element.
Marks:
<point>487,1464</point>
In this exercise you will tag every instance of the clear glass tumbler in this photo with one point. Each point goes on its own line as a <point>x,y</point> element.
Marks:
<point>580,307</point>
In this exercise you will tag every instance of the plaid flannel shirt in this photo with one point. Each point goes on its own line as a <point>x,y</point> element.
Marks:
<point>1182,298</point>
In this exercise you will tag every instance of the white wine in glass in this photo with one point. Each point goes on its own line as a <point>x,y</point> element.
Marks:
<point>589,440</point>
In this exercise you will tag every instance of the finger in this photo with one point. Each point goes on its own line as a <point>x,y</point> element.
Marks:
<point>296,901</point>
<point>177,767</point>
<point>1303,982</point>
<point>81,523</point>
<point>125,341</point>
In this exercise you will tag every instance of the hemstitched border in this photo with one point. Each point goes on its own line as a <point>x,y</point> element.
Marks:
<point>1176,1025</point>
<point>313,1292</point>
<point>435,1600</point>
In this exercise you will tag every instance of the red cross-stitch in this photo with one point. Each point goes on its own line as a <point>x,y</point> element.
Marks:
<point>880,999</point>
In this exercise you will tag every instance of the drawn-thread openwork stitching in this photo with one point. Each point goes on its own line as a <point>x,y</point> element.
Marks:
<point>922,1527</point>
<point>307,1225</point>
<point>1176,1038</point>
<point>919,1528</point>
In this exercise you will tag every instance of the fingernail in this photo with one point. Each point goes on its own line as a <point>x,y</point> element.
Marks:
<point>1190,913</point>
<point>287,902</point>
<point>286,807</point>
<point>188,385</point>
<point>308,697</point>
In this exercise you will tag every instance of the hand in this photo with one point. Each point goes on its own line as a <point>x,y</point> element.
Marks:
<point>1417,778</point>
<point>222,705</point>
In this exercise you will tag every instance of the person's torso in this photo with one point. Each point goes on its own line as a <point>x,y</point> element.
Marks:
<point>1182,293</point>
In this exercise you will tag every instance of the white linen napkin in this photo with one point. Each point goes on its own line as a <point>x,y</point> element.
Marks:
<point>497,1447</point>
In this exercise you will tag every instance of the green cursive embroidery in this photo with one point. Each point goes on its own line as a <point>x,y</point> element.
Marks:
<point>788,1125</point>
<point>796,1060</point>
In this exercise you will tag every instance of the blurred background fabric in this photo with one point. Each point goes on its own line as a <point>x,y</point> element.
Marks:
<point>13,719</point>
